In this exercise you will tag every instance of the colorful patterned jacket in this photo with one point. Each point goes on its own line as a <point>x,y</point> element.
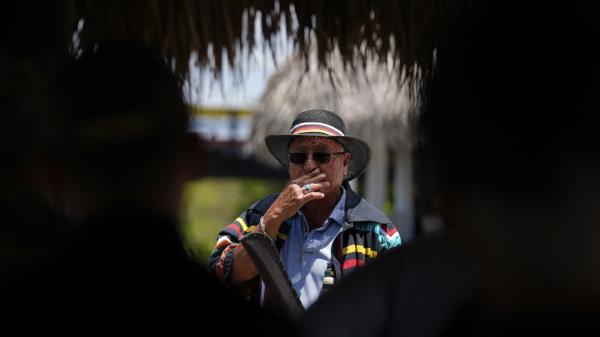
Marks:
<point>365,235</point>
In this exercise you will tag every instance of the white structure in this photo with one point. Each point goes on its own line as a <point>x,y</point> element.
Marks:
<point>376,104</point>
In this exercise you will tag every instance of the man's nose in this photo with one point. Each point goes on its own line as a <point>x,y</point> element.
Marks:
<point>310,163</point>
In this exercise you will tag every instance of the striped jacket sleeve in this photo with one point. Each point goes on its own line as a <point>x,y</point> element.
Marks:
<point>220,260</point>
<point>388,236</point>
<point>365,242</point>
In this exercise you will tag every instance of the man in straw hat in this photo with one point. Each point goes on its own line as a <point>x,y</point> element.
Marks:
<point>322,229</point>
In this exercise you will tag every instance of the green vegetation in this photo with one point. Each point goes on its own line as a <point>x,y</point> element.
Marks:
<point>212,203</point>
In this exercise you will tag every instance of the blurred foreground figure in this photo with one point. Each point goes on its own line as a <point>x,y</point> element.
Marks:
<point>511,132</point>
<point>119,155</point>
<point>29,228</point>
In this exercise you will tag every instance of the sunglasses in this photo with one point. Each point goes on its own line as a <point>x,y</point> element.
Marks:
<point>319,157</point>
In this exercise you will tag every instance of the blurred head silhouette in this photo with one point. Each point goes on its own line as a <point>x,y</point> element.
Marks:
<point>511,128</point>
<point>28,54</point>
<point>120,132</point>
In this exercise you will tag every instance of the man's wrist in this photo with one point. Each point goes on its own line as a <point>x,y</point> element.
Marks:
<point>263,227</point>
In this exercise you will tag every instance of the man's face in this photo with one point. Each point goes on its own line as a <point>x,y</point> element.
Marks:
<point>335,170</point>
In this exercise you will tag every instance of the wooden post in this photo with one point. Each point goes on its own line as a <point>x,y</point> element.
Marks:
<point>403,217</point>
<point>376,175</point>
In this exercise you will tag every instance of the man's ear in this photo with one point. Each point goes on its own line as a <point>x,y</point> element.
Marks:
<point>347,158</point>
<point>196,153</point>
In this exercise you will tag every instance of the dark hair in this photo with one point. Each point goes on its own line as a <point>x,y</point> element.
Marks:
<point>119,115</point>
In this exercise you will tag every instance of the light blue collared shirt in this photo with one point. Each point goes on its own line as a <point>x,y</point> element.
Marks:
<point>306,253</point>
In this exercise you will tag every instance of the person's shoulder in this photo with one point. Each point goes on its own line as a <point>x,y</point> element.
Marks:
<point>362,211</point>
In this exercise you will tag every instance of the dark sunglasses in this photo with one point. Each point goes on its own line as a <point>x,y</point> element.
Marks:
<point>319,157</point>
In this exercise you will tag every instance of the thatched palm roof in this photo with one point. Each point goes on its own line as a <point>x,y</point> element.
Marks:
<point>370,99</point>
<point>410,29</point>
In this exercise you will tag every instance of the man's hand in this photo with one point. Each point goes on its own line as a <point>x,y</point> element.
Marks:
<point>292,198</point>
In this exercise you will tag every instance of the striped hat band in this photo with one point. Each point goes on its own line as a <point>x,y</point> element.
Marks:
<point>314,127</point>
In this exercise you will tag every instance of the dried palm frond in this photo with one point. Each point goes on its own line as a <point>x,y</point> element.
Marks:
<point>217,29</point>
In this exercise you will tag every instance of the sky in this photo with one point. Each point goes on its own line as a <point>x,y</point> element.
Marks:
<point>239,88</point>
<point>242,87</point>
